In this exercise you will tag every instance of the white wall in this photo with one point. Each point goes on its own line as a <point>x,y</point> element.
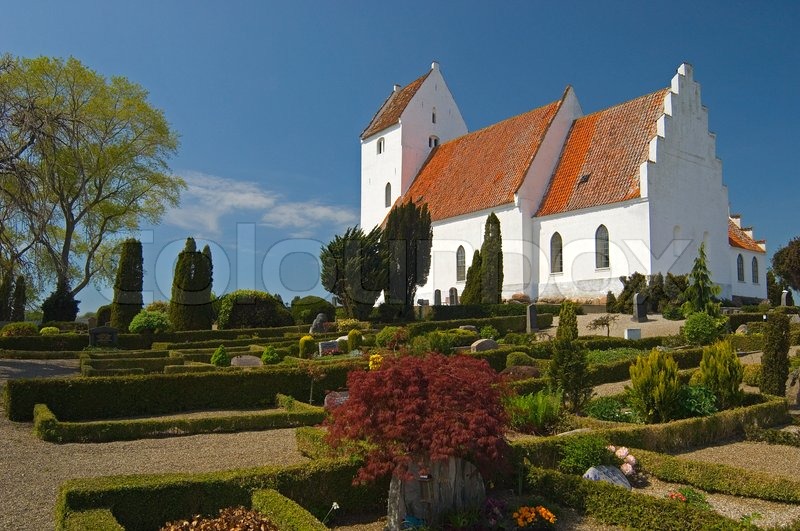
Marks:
<point>376,171</point>
<point>748,288</point>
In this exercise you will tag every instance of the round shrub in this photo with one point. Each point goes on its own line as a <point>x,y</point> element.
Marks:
<point>19,330</point>
<point>307,346</point>
<point>103,315</point>
<point>519,358</point>
<point>252,309</point>
<point>700,329</point>
<point>580,453</point>
<point>462,338</point>
<point>153,322</point>
<point>341,344</point>
<point>391,337</point>
<point>220,358</point>
<point>489,332</point>
<point>49,331</point>
<point>354,340</point>
<point>305,309</point>
<point>441,342</point>
<point>270,356</point>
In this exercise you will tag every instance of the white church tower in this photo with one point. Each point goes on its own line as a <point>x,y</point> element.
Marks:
<point>412,121</point>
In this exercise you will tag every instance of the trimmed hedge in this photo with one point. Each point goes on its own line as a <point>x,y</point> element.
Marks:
<point>285,513</point>
<point>194,367</point>
<point>90,366</point>
<point>748,343</point>
<point>480,311</point>
<point>495,357</point>
<point>290,415</point>
<point>77,399</point>
<point>93,373</point>
<point>40,355</point>
<point>71,342</point>
<point>514,323</point>
<point>147,502</point>
<point>735,320</point>
<point>94,519</point>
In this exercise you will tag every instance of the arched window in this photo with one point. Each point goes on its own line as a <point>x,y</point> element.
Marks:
<point>556,256</point>
<point>755,270</point>
<point>381,145</point>
<point>388,195</point>
<point>601,252</point>
<point>461,264</point>
<point>740,268</point>
<point>433,116</point>
<point>433,141</point>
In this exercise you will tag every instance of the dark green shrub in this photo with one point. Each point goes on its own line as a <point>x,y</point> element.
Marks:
<point>672,313</point>
<point>441,342</point>
<point>696,401</point>
<point>775,360</point>
<point>252,309</point>
<point>568,371</point>
<point>609,408</point>
<point>519,358</point>
<point>534,413</point>
<point>489,332</point>
<point>392,337</point>
<point>751,375</point>
<point>721,372</point>
<point>284,512</point>
<point>567,322</point>
<point>701,329</point>
<point>128,285</point>
<point>341,346</point>
<point>611,302</point>
<point>19,330</point>
<point>305,309</point>
<point>307,347</point>
<point>60,305</point>
<point>354,340</point>
<point>103,315</point>
<point>220,358</point>
<point>655,389</point>
<point>581,452</point>
<point>462,338</point>
<point>270,356</point>
<point>150,322</point>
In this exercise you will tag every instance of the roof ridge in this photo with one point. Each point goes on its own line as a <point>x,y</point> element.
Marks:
<point>626,102</point>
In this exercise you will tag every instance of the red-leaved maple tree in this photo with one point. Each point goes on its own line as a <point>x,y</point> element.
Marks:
<point>414,409</point>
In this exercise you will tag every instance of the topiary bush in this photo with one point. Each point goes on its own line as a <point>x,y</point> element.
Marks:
<point>270,356</point>
<point>701,329</point>
<point>721,372</point>
<point>252,309</point>
<point>307,346</point>
<point>775,360</point>
<point>655,389</point>
<point>19,330</point>
<point>305,309</point>
<point>568,371</point>
<point>580,453</point>
<point>153,322</point>
<point>519,358</point>
<point>567,322</point>
<point>103,315</point>
<point>354,340</point>
<point>49,331</point>
<point>220,358</point>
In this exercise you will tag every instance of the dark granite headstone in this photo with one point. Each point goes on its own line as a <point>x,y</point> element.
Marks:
<point>103,336</point>
<point>437,297</point>
<point>786,298</point>
<point>532,326</point>
<point>453,298</point>
<point>639,307</point>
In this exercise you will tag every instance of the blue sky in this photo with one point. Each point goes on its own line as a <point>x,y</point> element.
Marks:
<point>269,99</point>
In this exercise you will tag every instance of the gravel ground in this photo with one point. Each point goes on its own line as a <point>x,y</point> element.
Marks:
<point>777,459</point>
<point>655,325</point>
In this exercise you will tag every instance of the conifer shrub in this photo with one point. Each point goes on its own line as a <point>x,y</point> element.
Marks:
<point>150,322</point>
<point>354,340</point>
<point>611,302</point>
<point>655,389</point>
<point>341,346</point>
<point>441,342</point>
<point>307,346</point>
<point>721,372</point>
<point>751,375</point>
<point>19,330</point>
<point>49,331</point>
<point>569,372</point>
<point>128,285</point>
<point>270,356</point>
<point>775,360</point>
<point>305,309</point>
<point>220,358</point>
<point>567,322</point>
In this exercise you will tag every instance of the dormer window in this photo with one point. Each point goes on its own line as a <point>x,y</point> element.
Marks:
<point>433,141</point>
<point>433,116</point>
<point>381,145</point>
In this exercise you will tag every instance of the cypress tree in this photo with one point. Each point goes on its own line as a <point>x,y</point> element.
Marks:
<point>190,305</point>
<point>128,285</point>
<point>775,359</point>
<point>702,291</point>
<point>472,289</point>
<point>567,323</point>
<point>205,280</point>
<point>408,240</point>
<point>6,289</point>
<point>181,286</point>
<point>19,300</point>
<point>492,262</point>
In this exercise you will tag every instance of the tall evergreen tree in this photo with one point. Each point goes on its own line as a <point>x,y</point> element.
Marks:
<point>702,290</point>
<point>19,300</point>
<point>492,262</point>
<point>6,289</point>
<point>408,238</point>
<point>205,281</point>
<point>181,286</point>
<point>128,285</point>
<point>472,289</point>
<point>190,305</point>
<point>61,305</point>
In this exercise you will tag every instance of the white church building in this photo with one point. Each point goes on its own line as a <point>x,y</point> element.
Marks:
<point>582,198</point>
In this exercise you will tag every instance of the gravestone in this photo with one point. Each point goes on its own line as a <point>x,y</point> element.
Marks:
<point>453,297</point>
<point>91,322</point>
<point>318,326</point>
<point>483,344</point>
<point>328,347</point>
<point>633,333</point>
<point>447,486</point>
<point>786,298</point>
<point>532,326</point>
<point>103,336</point>
<point>437,297</point>
<point>609,474</point>
<point>639,307</point>
<point>246,360</point>
<point>336,398</point>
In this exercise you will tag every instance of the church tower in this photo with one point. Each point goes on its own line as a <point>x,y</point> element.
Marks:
<point>412,122</point>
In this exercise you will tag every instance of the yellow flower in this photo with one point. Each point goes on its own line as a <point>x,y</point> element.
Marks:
<point>375,362</point>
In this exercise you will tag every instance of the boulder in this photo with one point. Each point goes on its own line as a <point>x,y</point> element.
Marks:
<point>609,474</point>
<point>742,329</point>
<point>318,326</point>
<point>483,344</point>
<point>471,328</point>
<point>246,361</point>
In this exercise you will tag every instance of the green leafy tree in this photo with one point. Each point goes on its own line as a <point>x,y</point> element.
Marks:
<point>567,322</point>
<point>19,300</point>
<point>702,291</point>
<point>492,262</point>
<point>190,304</point>
<point>775,359</point>
<point>408,238</point>
<point>569,373</point>
<point>775,288</point>
<point>96,167</point>
<point>786,263</point>
<point>472,288</point>
<point>127,301</point>
<point>354,269</point>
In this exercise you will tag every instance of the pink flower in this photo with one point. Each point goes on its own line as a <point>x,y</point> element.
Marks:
<point>611,448</point>
<point>627,469</point>
<point>622,452</point>
<point>630,459</point>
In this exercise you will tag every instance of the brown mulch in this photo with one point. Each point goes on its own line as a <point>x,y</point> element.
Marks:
<point>236,518</point>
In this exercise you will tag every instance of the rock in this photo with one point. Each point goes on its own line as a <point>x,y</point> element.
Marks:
<point>246,361</point>
<point>520,372</point>
<point>575,431</point>
<point>336,398</point>
<point>318,326</point>
<point>609,474</point>
<point>468,327</point>
<point>742,329</point>
<point>341,338</point>
<point>483,344</point>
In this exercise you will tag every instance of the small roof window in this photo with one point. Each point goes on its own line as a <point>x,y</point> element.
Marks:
<point>584,178</point>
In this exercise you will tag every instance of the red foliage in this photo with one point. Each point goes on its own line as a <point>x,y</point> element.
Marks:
<point>413,408</point>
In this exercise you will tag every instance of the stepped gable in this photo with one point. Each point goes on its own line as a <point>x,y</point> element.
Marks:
<point>600,161</point>
<point>737,237</point>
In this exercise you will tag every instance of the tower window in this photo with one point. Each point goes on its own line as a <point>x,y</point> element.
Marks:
<point>381,145</point>
<point>755,270</point>
<point>461,264</point>
<point>740,268</point>
<point>556,254</point>
<point>602,259</point>
<point>433,116</point>
<point>433,141</point>
<point>388,195</point>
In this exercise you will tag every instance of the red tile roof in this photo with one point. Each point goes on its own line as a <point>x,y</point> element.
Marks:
<point>739,238</point>
<point>607,146</point>
<point>483,169</point>
<point>393,107</point>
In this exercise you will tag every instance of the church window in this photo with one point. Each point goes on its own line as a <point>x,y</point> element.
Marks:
<point>755,270</point>
<point>740,268</point>
<point>556,255</point>
<point>601,248</point>
<point>433,116</point>
<point>461,264</point>
<point>433,141</point>
<point>381,145</point>
<point>388,195</point>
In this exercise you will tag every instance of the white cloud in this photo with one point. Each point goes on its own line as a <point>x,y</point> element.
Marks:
<point>208,198</point>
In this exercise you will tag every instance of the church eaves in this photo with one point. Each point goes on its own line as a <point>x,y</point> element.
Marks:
<point>737,237</point>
